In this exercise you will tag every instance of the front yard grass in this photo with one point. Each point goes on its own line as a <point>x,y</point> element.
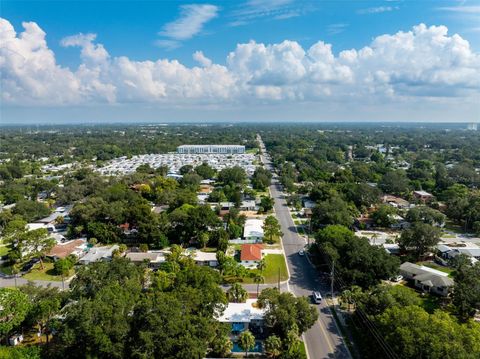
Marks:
<point>453,227</point>
<point>275,264</point>
<point>209,250</point>
<point>47,273</point>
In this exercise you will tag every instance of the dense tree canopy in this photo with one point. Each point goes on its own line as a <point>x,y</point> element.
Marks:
<point>356,261</point>
<point>419,239</point>
<point>284,312</point>
<point>413,333</point>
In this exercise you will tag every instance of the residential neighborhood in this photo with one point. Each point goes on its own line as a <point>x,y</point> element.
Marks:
<point>263,236</point>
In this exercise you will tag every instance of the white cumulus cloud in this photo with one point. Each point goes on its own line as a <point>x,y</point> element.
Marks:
<point>202,59</point>
<point>90,51</point>
<point>424,64</point>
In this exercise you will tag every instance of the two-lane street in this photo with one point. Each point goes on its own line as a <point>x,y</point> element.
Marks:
<point>323,340</point>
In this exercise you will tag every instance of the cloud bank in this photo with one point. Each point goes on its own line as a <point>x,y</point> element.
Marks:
<point>423,64</point>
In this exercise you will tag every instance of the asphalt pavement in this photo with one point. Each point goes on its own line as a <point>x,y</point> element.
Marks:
<point>324,339</point>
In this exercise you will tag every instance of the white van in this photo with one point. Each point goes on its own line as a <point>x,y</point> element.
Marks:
<point>317,297</point>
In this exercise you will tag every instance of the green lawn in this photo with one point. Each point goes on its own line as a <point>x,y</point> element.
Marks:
<point>47,273</point>
<point>303,350</point>
<point>453,227</point>
<point>209,250</point>
<point>275,262</point>
<point>447,235</point>
<point>4,250</point>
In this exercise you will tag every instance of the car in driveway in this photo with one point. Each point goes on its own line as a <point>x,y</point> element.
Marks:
<point>317,297</point>
<point>27,267</point>
<point>301,252</point>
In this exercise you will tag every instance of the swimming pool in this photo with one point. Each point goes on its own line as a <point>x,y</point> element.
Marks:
<point>258,348</point>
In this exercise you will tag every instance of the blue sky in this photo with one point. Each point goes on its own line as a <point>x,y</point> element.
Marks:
<point>109,38</point>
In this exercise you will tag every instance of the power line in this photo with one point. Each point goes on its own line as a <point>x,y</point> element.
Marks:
<point>369,324</point>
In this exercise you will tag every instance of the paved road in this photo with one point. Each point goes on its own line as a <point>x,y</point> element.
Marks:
<point>323,340</point>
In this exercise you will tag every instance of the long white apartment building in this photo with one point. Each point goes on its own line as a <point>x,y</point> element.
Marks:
<point>216,149</point>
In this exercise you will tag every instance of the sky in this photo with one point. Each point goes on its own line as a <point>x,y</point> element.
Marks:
<point>246,60</point>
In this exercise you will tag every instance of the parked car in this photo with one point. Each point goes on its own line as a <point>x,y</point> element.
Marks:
<point>29,265</point>
<point>317,297</point>
<point>397,278</point>
<point>301,253</point>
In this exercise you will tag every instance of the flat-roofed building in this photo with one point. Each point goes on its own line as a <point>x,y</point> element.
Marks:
<point>243,316</point>
<point>253,230</point>
<point>217,149</point>
<point>153,259</point>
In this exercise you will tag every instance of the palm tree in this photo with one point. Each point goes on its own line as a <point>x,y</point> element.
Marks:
<point>292,341</point>
<point>258,279</point>
<point>262,265</point>
<point>237,294</point>
<point>246,341</point>
<point>222,346</point>
<point>15,271</point>
<point>273,346</point>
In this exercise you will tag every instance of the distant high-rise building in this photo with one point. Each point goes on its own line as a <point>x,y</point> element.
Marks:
<point>472,126</point>
<point>216,149</point>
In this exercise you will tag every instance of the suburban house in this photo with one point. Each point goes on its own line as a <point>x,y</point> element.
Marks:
<point>202,197</point>
<point>307,212</point>
<point>243,316</point>
<point>447,252</point>
<point>423,196</point>
<point>392,248</point>
<point>427,279</point>
<point>248,205</point>
<point>396,202</point>
<point>78,247</point>
<point>97,254</point>
<point>364,222</point>
<point>398,222</point>
<point>34,226</point>
<point>225,207</point>
<point>251,255</point>
<point>308,203</point>
<point>154,259</point>
<point>205,258</point>
<point>59,212</point>
<point>253,230</point>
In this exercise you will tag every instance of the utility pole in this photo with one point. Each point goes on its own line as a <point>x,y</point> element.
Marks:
<point>279,280</point>
<point>332,279</point>
<point>309,231</point>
